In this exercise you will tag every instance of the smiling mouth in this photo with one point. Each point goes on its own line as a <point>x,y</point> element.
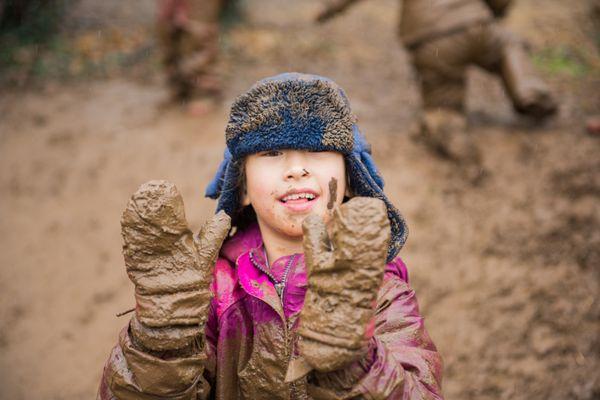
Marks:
<point>302,197</point>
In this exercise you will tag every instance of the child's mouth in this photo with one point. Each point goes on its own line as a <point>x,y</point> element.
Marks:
<point>299,201</point>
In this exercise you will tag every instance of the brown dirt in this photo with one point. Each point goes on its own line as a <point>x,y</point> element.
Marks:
<point>506,271</point>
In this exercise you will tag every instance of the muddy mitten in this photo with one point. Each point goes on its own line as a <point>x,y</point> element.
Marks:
<point>344,276</point>
<point>170,267</point>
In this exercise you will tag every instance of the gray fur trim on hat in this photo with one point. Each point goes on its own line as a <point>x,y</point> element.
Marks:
<point>292,110</point>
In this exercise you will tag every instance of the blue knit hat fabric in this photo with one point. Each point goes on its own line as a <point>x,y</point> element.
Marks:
<point>302,112</point>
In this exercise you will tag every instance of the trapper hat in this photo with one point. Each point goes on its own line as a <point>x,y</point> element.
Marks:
<point>302,112</point>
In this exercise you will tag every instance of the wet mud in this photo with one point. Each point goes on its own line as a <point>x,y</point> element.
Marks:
<point>504,271</point>
<point>332,193</point>
<point>171,270</point>
<point>345,272</point>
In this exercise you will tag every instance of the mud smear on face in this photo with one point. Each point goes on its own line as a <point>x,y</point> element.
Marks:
<point>332,194</point>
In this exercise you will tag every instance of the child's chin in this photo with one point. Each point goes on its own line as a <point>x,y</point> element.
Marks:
<point>292,227</point>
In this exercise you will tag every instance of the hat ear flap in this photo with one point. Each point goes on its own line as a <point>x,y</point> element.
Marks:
<point>215,187</point>
<point>370,165</point>
<point>362,149</point>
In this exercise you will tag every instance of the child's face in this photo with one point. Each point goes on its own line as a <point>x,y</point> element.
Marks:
<point>285,186</point>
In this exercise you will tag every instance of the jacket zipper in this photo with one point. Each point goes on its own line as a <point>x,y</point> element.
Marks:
<point>280,289</point>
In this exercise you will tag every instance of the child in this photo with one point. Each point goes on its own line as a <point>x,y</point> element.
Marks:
<point>308,297</point>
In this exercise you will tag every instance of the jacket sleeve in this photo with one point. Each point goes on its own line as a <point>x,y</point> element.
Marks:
<point>133,374</point>
<point>401,361</point>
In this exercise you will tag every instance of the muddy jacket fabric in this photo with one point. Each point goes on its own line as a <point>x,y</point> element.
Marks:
<point>423,20</point>
<point>250,340</point>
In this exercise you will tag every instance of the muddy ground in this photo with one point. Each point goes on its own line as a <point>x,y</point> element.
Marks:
<point>506,272</point>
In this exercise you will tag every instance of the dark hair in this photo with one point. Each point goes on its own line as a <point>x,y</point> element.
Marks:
<point>244,216</point>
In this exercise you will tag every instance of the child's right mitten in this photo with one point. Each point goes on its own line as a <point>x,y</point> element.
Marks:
<point>344,276</point>
<point>169,266</point>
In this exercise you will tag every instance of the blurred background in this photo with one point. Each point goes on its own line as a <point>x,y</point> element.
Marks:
<point>506,268</point>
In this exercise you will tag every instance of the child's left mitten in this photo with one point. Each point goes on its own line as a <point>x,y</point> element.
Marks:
<point>169,266</point>
<point>344,276</point>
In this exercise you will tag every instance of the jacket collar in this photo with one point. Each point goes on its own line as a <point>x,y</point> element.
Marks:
<point>256,283</point>
<point>241,242</point>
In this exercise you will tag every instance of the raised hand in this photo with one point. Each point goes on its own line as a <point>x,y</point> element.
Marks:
<point>344,275</point>
<point>169,266</point>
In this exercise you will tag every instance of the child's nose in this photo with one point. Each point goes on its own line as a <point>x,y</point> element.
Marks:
<point>296,172</point>
<point>296,163</point>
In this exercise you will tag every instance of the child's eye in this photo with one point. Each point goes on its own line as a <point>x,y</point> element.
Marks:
<point>271,153</point>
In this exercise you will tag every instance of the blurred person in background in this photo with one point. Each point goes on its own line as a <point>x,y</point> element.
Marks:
<point>443,38</point>
<point>189,35</point>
